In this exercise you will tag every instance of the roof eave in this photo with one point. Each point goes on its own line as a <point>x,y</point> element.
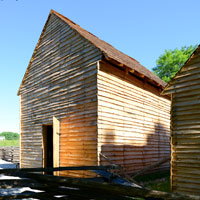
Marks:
<point>134,72</point>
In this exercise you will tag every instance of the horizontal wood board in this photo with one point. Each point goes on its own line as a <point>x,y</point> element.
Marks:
<point>103,110</point>
<point>61,82</point>
<point>185,128</point>
<point>133,120</point>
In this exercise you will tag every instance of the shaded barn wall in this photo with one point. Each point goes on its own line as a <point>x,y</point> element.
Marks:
<point>133,120</point>
<point>61,82</point>
<point>185,128</point>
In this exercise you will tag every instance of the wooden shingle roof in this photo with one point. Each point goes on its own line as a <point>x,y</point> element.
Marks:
<point>110,53</point>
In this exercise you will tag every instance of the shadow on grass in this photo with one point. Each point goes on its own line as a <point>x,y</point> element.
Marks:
<point>156,181</point>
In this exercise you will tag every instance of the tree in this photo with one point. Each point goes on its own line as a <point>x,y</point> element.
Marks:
<point>169,63</point>
<point>10,135</point>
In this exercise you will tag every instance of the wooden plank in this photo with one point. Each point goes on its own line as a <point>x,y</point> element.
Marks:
<point>146,169</point>
<point>62,79</point>
<point>56,144</point>
<point>133,120</point>
<point>113,189</point>
<point>184,130</point>
<point>50,169</point>
<point>5,184</point>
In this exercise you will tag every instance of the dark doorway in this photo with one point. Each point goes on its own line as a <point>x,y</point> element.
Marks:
<point>48,146</point>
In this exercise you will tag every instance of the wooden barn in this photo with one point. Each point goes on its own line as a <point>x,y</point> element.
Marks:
<point>185,126</point>
<point>81,98</point>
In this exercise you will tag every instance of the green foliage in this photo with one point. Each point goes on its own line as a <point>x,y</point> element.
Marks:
<point>10,135</point>
<point>169,63</point>
<point>6,143</point>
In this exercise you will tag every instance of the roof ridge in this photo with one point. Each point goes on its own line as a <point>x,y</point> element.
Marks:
<point>110,52</point>
<point>53,11</point>
<point>60,15</point>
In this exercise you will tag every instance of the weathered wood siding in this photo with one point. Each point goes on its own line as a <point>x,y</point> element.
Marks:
<point>97,110</point>
<point>62,82</point>
<point>10,154</point>
<point>185,128</point>
<point>133,120</point>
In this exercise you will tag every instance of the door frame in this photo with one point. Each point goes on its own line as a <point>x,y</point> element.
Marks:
<point>56,144</point>
<point>44,143</point>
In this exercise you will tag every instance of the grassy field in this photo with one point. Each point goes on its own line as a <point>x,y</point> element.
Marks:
<point>6,143</point>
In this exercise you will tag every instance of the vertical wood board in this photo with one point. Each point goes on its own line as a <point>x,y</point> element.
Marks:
<point>56,144</point>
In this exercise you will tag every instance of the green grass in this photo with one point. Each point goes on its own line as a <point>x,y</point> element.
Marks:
<point>6,143</point>
<point>163,185</point>
<point>156,181</point>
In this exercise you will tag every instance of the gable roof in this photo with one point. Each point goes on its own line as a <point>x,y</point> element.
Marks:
<point>109,52</point>
<point>171,82</point>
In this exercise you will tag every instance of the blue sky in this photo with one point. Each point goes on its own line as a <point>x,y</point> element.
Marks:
<point>142,29</point>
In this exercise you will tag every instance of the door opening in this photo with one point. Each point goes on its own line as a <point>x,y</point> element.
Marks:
<point>48,147</point>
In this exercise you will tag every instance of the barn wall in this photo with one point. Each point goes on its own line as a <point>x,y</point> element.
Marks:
<point>185,128</point>
<point>133,120</point>
<point>61,82</point>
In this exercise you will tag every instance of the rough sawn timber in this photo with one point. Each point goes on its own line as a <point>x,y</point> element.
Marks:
<point>98,105</point>
<point>185,127</point>
<point>61,82</point>
<point>133,120</point>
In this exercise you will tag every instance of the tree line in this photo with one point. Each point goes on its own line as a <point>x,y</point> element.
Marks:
<point>170,62</point>
<point>10,135</point>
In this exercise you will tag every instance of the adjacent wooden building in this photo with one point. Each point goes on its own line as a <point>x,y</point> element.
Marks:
<point>80,98</point>
<point>184,89</point>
